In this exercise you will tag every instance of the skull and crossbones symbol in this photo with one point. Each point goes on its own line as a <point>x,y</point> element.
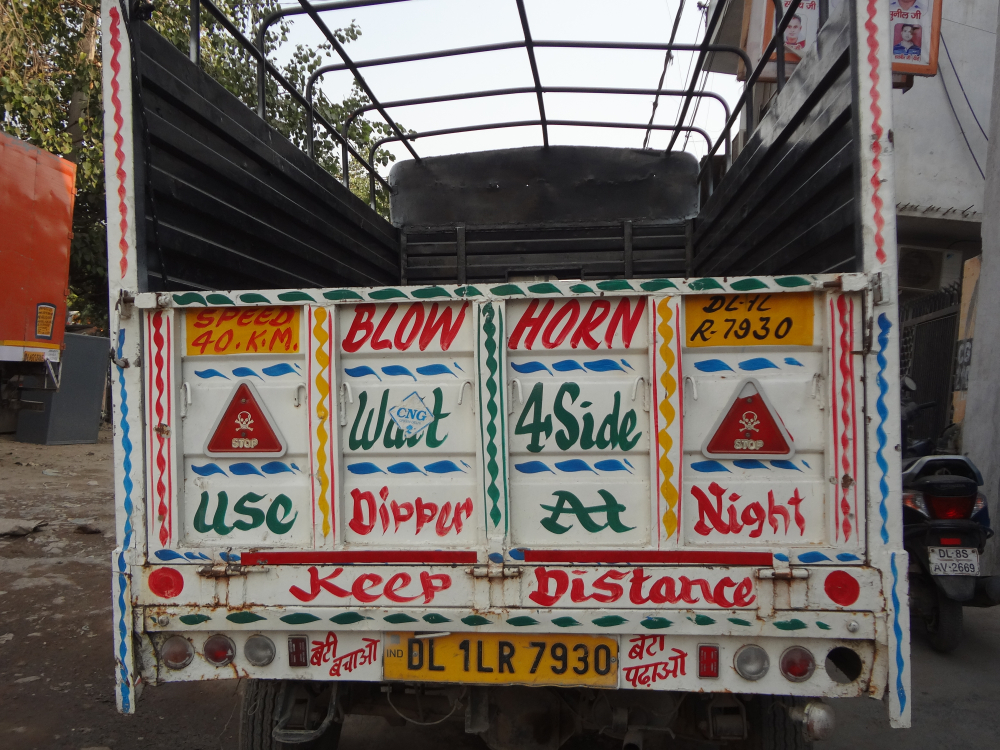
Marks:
<point>749,422</point>
<point>244,420</point>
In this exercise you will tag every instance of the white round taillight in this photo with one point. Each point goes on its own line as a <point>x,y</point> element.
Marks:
<point>797,664</point>
<point>219,650</point>
<point>259,650</point>
<point>751,662</point>
<point>176,652</point>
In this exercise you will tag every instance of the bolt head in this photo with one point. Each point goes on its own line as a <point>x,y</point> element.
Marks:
<point>853,626</point>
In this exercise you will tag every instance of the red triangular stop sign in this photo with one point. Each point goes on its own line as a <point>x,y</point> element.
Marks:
<point>749,427</point>
<point>245,428</point>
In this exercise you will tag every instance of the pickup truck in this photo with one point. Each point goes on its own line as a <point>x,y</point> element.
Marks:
<point>582,440</point>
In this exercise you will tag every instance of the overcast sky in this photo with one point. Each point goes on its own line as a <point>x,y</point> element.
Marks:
<point>423,25</point>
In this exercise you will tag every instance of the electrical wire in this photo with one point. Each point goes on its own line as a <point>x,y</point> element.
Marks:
<point>666,62</point>
<point>960,128</point>
<point>959,79</point>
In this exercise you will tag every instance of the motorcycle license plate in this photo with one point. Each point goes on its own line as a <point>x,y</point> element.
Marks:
<point>502,658</point>
<point>953,561</point>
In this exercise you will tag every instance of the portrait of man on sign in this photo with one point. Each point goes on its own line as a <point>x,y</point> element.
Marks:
<point>906,41</point>
<point>795,40</point>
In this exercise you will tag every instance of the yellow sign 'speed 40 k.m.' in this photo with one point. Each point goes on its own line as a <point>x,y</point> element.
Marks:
<point>253,330</point>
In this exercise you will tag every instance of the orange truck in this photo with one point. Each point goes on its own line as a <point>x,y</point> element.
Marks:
<point>36,216</point>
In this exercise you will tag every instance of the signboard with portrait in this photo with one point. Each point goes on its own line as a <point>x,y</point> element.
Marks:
<point>914,26</point>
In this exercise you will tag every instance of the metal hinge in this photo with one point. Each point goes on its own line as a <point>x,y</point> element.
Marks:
<point>495,570</point>
<point>765,574</point>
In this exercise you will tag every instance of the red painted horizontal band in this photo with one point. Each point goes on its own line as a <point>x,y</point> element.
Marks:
<point>446,557</point>
<point>636,557</point>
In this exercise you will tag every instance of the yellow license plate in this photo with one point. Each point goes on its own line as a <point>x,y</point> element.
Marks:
<point>759,319</point>
<point>34,357</point>
<point>502,658</point>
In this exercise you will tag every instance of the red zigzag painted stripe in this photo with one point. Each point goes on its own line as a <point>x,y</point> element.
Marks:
<point>116,46</point>
<point>876,131</point>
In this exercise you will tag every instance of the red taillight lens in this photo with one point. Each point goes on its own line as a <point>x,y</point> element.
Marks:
<point>950,508</point>
<point>176,652</point>
<point>708,660</point>
<point>219,650</point>
<point>797,664</point>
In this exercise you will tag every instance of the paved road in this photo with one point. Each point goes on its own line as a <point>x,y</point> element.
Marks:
<point>56,660</point>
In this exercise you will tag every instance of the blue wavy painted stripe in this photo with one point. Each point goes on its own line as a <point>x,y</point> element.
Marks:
<point>128,485</point>
<point>276,467</point>
<point>757,363</point>
<point>295,467</point>
<point>897,630</point>
<point>365,467</point>
<point>230,556</point>
<point>628,365</point>
<point>436,370</point>
<point>883,412</point>
<point>526,368</point>
<point>783,464</point>
<point>712,365</point>
<point>781,556</point>
<point>246,372</point>
<point>282,368</point>
<point>169,555</point>
<point>603,365</point>
<point>813,557</point>
<point>567,365</point>
<point>210,373</point>
<point>611,464</point>
<point>208,470</point>
<point>708,466</point>
<point>574,465</point>
<point>361,371</point>
<point>847,557</point>
<point>532,467</point>
<point>394,370</point>
<point>749,463</point>
<point>443,467</point>
<point>244,469</point>
<point>405,467</point>
<point>794,362</point>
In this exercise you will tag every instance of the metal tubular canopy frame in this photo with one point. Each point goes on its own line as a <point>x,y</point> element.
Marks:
<point>528,43</point>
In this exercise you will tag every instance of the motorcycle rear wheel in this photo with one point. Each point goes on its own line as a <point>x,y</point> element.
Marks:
<point>945,629</point>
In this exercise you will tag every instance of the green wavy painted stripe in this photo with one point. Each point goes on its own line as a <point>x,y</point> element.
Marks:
<point>296,296</point>
<point>738,621</point>
<point>194,619</point>
<point>507,289</point>
<point>399,619</point>
<point>703,620</point>
<point>822,625</point>
<point>615,285</point>
<point>581,289</point>
<point>544,288</point>
<point>382,294</point>
<point>793,624</point>
<point>522,621</point>
<point>655,285</point>
<point>565,622</point>
<point>468,291</point>
<point>299,618</point>
<point>609,621</point>
<point>475,620</point>
<point>429,292</point>
<point>338,294</point>
<point>435,619</point>
<point>250,297</point>
<point>219,299</point>
<point>348,618</point>
<point>489,329</point>
<point>244,618</point>
<point>189,298</point>
<point>747,285</point>
<point>703,285</point>
<point>790,282</point>
<point>655,623</point>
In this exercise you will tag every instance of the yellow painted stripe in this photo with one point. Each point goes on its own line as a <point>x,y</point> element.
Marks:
<point>31,344</point>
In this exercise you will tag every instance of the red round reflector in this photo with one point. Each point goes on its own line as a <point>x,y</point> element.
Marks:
<point>219,650</point>
<point>176,652</point>
<point>842,588</point>
<point>166,583</point>
<point>797,664</point>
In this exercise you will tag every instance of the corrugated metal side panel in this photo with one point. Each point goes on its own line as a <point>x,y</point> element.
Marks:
<point>789,203</point>
<point>237,206</point>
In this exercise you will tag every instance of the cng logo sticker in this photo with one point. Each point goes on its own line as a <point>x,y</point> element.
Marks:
<point>245,427</point>
<point>749,426</point>
<point>412,415</point>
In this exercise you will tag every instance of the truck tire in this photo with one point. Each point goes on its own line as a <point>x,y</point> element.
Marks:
<point>257,720</point>
<point>769,727</point>
<point>945,629</point>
